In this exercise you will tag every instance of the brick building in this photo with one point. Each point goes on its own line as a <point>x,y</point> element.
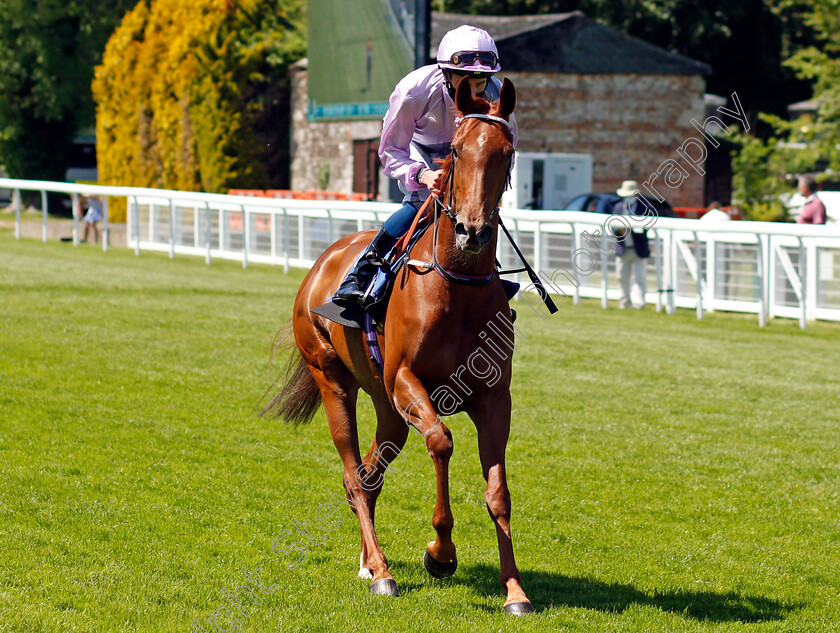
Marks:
<point>582,88</point>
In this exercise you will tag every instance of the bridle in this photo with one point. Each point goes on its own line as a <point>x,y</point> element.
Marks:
<point>447,209</point>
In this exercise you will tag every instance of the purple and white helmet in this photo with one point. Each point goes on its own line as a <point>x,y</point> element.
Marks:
<point>468,50</point>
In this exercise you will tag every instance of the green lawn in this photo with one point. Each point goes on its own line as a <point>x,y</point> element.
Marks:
<point>667,474</point>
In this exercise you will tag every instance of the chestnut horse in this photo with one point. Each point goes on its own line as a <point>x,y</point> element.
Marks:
<point>435,345</point>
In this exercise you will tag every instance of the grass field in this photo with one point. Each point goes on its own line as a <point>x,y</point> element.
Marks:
<point>667,474</point>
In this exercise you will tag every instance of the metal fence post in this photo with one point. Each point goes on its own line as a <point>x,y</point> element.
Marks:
<point>575,244</point>
<point>330,228</point>
<point>657,249</point>
<point>771,278</point>
<point>273,235</point>
<point>75,219</point>
<point>209,225</point>
<point>106,230</point>
<point>604,280</point>
<point>44,211</point>
<point>803,316</point>
<point>671,260</point>
<point>286,240</point>
<point>152,222</point>
<point>812,275</point>
<point>171,229</point>
<point>16,199</point>
<point>136,221</point>
<point>761,270</point>
<point>711,272</point>
<point>301,241</point>
<point>246,236</point>
<point>699,281</point>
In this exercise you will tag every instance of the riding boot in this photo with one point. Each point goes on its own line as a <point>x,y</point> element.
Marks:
<point>351,291</point>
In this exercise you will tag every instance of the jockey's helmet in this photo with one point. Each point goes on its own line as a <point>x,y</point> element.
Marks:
<point>469,51</point>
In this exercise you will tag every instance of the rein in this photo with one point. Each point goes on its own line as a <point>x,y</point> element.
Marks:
<point>447,210</point>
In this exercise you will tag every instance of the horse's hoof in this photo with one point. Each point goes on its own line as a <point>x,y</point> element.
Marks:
<point>519,608</point>
<point>385,587</point>
<point>437,568</point>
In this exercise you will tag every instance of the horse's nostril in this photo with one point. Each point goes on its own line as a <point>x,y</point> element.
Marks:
<point>460,229</point>
<point>485,234</point>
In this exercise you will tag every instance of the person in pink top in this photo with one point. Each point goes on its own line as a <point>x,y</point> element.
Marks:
<point>417,129</point>
<point>813,211</point>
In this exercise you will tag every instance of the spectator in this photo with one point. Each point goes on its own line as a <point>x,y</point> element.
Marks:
<point>813,211</point>
<point>632,250</point>
<point>94,214</point>
<point>715,213</point>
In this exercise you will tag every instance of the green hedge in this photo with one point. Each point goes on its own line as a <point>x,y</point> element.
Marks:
<point>194,95</point>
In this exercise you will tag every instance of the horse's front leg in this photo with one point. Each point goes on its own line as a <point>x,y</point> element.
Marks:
<point>414,404</point>
<point>492,420</point>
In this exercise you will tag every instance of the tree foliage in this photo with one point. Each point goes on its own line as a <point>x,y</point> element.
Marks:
<point>820,64</point>
<point>193,94</point>
<point>46,65</point>
<point>744,41</point>
<point>764,168</point>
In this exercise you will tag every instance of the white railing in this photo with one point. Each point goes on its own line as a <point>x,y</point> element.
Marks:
<point>770,269</point>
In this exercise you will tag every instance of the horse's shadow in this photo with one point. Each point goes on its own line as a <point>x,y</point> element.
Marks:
<point>551,590</point>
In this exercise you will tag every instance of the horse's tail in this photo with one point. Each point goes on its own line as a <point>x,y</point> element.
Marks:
<point>299,397</point>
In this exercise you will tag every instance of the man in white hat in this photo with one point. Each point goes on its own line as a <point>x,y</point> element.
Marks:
<point>632,249</point>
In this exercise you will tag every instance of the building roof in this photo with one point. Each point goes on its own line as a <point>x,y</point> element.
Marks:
<point>568,43</point>
<point>802,107</point>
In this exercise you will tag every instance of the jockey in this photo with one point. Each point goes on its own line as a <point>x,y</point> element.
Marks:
<point>417,129</point>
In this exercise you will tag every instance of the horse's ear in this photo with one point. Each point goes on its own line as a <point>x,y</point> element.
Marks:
<point>507,98</point>
<point>463,97</point>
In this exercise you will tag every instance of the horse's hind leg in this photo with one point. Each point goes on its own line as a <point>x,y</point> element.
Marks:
<point>339,390</point>
<point>388,442</point>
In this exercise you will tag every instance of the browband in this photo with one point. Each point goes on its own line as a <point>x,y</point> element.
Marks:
<point>487,117</point>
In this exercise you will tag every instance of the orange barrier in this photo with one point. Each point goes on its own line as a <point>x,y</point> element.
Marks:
<point>312,194</point>
<point>309,194</point>
<point>262,221</point>
<point>253,193</point>
<point>696,213</point>
<point>691,213</point>
<point>287,194</point>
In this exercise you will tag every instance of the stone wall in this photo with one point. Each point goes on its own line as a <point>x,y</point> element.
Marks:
<point>630,124</point>
<point>322,153</point>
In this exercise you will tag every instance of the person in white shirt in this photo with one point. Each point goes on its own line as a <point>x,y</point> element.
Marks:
<point>93,215</point>
<point>715,214</point>
<point>632,249</point>
<point>417,129</point>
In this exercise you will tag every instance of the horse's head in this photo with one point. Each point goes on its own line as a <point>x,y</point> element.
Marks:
<point>482,151</point>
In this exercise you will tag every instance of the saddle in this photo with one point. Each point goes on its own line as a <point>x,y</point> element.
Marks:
<point>375,300</point>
